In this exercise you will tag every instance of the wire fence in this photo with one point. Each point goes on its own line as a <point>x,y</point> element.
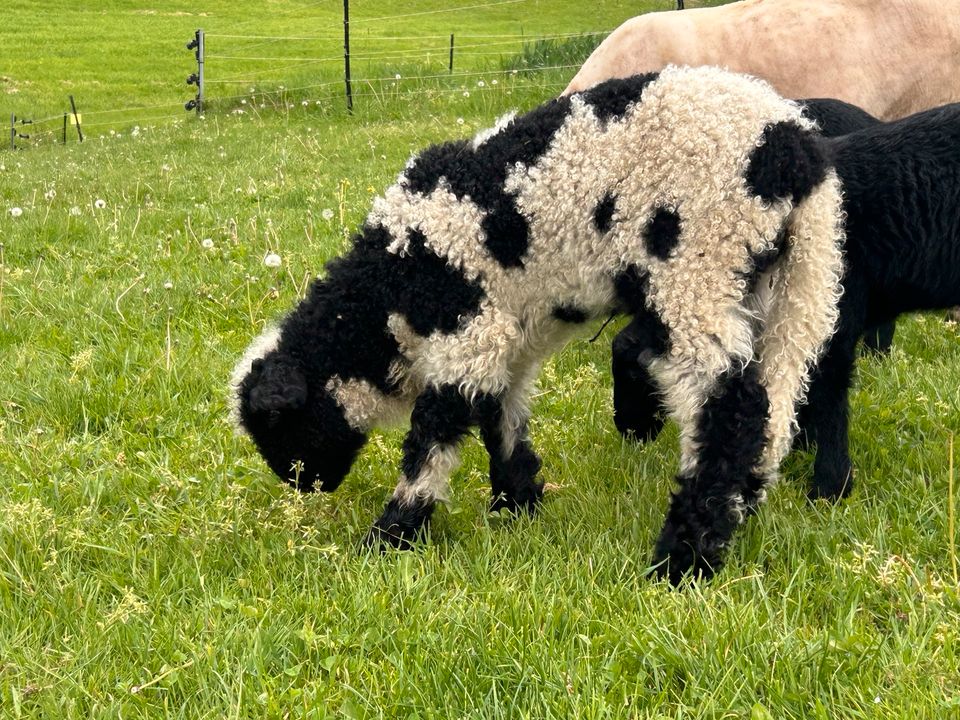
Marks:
<point>284,71</point>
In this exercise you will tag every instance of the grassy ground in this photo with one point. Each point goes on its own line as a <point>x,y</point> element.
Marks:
<point>150,565</point>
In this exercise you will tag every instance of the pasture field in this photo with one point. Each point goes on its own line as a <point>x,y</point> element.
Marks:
<point>152,567</point>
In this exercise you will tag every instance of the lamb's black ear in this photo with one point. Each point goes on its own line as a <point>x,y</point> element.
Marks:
<point>276,385</point>
<point>788,164</point>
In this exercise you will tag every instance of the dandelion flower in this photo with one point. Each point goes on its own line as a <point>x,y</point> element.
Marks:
<point>168,285</point>
<point>207,243</point>
<point>459,121</point>
<point>466,93</point>
<point>327,214</point>
<point>494,82</point>
<point>272,260</point>
<point>305,103</point>
<point>397,76</point>
<point>16,212</point>
<point>481,83</point>
<point>99,204</point>
<point>75,211</point>
<point>50,194</point>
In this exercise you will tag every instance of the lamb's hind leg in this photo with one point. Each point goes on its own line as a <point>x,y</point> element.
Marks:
<point>722,481</point>
<point>638,410</point>
<point>441,417</point>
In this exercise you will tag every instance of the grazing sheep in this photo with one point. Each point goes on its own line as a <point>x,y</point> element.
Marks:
<point>655,196</point>
<point>890,58</point>
<point>901,186</point>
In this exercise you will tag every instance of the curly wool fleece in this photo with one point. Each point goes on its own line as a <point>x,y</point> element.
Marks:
<point>696,200</point>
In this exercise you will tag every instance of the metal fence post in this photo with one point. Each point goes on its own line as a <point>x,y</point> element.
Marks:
<point>346,52</point>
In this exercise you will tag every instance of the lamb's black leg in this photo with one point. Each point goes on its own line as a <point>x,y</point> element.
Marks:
<point>637,410</point>
<point>723,487</point>
<point>827,413</point>
<point>440,418</point>
<point>879,339</point>
<point>513,463</point>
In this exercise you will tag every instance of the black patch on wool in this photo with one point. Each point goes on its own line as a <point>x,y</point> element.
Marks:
<point>570,314</point>
<point>662,233</point>
<point>506,232</point>
<point>480,174</point>
<point>731,437</point>
<point>789,163</point>
<point>647,330</point>
<point>611,99</point>
<point>603,212</point>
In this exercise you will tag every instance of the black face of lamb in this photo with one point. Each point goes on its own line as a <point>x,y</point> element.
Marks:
<point>611,99</point>
<point>789,163</point>
<point>303,437</point>
<point>710,503</point>
<point>480,174</point>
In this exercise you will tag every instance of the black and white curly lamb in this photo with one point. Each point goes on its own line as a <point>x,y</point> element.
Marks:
<point>901,186</point>
<point>657,196</point>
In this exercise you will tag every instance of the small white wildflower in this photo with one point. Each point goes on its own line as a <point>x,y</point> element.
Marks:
<point>99,204</point>
<point>459,121</point>
<point>305,103</point>
<point>513,72</point>
<point>243,102</point>
<point>207,243</point>
<point>252,90</point>
<point>135,131</point>
<point>481,83</point>
<point>168,285</point>
<point>50,194</point>
<point>327,214</point>
<point>494,82</point>
<point>397,76</point>
<point>272,260</point>
<point>317,103</point>
<point>466,93</point>
<point>16,212</point>
<point>75,211</point>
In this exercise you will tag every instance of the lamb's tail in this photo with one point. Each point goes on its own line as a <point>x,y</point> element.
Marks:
<point>802,312</point>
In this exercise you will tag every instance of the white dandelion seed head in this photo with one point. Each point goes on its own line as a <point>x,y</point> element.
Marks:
<point>494,82</point>
<point>272,260</point>
<point>16,212</point>
<point>75,211</point>
<point>168,285</point>
<point>327,214</point>
<point>481,83</point>
<point>459,121</point>
<point>466,93</point>
<point>397,76</point>
<point>305,103</point>
<point>207,243</point>
<point>99,204</point>
<point>50,194</point>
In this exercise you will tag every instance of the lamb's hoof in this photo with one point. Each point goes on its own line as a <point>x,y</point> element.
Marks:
<point>382,539</point>
<point>399,527</point>
<point>524,500</point>
<point>683,564</point>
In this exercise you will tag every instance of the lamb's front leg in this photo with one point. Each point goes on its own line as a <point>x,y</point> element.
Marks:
<point>513,463</point>
<point>638,411</point>
<point>721,483</point>
<point>441,417</point>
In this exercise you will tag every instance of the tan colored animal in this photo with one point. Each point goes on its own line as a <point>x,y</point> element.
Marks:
<point>890,57</point>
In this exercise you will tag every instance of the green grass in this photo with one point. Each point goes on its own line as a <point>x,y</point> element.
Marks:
<point>151,566</point>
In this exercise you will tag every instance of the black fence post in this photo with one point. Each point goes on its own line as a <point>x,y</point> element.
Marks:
<point>64,128</point>
<point>679,4</point>
<point>451,53</point>
<point>196,78</point>
<point>76,118</point>
<point>13,131</point>
<point>346,52</point>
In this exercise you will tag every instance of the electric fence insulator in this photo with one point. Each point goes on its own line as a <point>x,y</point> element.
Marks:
<point>193,79</point>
